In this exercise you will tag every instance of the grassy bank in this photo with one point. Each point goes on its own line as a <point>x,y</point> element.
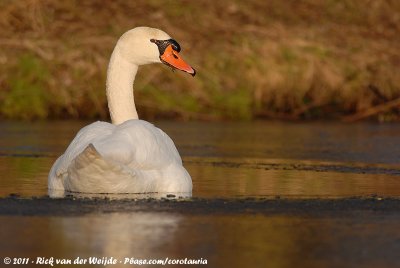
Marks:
<point>293,60</point>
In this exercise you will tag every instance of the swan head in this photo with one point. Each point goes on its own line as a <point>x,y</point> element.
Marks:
<point>145,45</point>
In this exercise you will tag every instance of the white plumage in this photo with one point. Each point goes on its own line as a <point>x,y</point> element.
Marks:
<point>131,155</point>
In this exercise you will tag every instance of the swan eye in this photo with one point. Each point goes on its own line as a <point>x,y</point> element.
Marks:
<point>175,45</point>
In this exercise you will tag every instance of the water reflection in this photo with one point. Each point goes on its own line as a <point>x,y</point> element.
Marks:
<point>118,235</point>
<point>215,181</point>
<point>25,176</point>
<point>224,240</point>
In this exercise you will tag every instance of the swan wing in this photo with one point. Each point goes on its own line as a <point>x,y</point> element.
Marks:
<point>89,170</point>
<point>59,171</point>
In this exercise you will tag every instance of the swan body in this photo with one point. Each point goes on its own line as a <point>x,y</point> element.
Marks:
<point>129,155</point>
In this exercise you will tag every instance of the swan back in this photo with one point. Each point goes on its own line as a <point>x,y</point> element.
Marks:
<point>133,157</point>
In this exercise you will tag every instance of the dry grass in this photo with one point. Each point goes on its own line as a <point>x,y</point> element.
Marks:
<point>304,59</point>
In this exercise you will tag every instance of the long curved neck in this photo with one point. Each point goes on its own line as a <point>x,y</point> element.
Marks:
<point>119,88</point>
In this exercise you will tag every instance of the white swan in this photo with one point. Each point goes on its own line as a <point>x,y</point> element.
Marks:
<point>130,155</point>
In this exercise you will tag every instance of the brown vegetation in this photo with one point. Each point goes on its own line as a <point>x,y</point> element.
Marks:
<point>305,59</point>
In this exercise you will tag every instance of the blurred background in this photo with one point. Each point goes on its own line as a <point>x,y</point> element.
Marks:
<point>256,59</point>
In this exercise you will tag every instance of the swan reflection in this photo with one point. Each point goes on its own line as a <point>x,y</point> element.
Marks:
<point>118,235</point>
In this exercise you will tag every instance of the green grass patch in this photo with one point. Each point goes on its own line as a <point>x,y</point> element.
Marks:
<point>26,96</point>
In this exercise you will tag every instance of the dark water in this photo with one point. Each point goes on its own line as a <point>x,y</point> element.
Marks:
<point>225,160</point>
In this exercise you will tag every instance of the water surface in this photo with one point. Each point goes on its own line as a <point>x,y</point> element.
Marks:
<point>230,161</point>
<point>224,240</point>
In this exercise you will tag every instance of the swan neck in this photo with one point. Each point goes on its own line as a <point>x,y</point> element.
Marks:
<point>120,77</point>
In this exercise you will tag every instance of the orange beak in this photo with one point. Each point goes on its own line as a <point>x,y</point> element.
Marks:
<point>172,58</point>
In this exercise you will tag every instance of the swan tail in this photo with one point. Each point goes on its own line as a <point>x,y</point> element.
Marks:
<point>89,172</point>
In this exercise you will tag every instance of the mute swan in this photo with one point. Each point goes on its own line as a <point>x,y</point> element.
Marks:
<point>129,155</point>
